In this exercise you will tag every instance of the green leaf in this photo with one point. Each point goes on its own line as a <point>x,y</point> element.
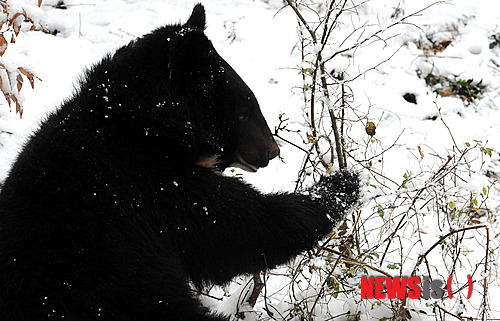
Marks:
<point>486,151</point>
<point>335,294</point>
<point>380,211</point>
<point>406,177</point>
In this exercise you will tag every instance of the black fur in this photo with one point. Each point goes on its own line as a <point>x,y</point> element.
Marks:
<point>107,214</point>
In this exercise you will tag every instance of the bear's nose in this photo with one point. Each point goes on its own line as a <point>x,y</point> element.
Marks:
<point>274,153</point>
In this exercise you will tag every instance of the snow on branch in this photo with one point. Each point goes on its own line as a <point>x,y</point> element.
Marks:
<point>14,17</point>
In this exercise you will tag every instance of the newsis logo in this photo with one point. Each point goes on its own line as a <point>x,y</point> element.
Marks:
<point>413,287</point>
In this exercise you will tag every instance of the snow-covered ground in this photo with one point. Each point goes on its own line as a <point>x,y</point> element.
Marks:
<point>259,39</point>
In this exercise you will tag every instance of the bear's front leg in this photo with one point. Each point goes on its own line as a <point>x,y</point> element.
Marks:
<point>234,229</point>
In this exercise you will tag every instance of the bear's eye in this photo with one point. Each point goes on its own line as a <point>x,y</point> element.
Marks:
<point>243,117</point>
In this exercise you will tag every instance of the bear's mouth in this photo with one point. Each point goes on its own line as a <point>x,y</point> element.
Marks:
<point>244,165</point>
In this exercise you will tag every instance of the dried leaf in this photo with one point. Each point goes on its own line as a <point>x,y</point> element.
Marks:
<point>24,71</point>
<point>17,29</point>
<point>40,3</point>
<point>3,44</point>
<point>28,75</point>
<point>32,81</point>
<point>8,77</point>
<point>420,151</point>
<point>7,97</point>
<point>445,93</point>
<point>11,21</point>
<point>17,24</point>
<point>310,138</point>
<point>19,109</point>
<point>19,82</point>
<point>370,128</point>
<point>441,46</point>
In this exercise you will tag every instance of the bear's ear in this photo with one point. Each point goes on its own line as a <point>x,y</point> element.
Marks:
<point>189,55</point>
<point>197,19</point>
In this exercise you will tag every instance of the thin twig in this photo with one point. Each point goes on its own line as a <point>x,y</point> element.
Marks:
<point>441,239</point>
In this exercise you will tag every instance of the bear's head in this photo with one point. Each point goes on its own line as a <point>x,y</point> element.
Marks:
<point>222,107</point>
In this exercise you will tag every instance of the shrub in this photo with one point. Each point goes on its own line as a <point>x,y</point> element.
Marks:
<point>12,76</point>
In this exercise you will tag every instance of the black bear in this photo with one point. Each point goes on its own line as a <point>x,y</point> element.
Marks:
<point>116,208</point>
